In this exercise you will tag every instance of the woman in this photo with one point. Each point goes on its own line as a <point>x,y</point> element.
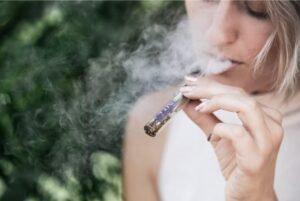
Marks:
<point>247,157</point>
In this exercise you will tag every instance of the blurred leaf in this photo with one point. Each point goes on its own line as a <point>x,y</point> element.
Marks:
<point>59,72</point>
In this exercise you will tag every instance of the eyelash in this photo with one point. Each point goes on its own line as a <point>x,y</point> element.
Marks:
<point>249,11</point>
<point>258,15</point>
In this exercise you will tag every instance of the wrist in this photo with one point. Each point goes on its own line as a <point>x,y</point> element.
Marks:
<point>271,196</point>
<point>268,196</point>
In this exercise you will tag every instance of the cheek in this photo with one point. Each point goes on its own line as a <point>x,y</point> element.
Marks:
<point>270,63</point>
<point>254,37</point>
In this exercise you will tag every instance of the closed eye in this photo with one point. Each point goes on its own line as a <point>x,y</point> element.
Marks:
<point>254,13</point>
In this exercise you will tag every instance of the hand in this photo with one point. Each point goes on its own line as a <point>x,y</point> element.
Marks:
<point>246,153</point>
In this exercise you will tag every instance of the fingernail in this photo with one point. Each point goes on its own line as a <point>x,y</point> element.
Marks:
<point>201,107</point>
<point>186,89</point>
<point>190,78</point>
<point>209,137</point>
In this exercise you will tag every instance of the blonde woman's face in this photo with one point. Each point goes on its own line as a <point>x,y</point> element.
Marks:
<point>236,30</point>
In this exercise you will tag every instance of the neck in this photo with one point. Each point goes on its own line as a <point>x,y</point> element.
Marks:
<point>275,101</point>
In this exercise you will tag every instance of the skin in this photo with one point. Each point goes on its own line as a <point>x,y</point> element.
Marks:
<point>231,32</point>
<point>247,153</point>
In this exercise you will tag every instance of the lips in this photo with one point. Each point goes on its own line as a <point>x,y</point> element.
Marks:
<point>236,62</point>
<point>222,57</point>
<point>219,64</point>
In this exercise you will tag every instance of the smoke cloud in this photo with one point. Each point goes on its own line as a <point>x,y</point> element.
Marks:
<point>96,117</point>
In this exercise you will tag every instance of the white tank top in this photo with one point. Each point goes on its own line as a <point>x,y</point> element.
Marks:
<point>190,171</point>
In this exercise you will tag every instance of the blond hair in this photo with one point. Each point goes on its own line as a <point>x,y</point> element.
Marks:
<point>284,16</point>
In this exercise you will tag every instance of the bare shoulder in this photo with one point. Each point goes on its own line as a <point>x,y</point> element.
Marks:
<point>142,153</point>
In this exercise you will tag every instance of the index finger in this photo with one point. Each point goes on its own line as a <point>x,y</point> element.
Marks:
<point>207,88</point>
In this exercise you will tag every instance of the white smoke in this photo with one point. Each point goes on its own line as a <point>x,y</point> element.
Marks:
<point>175,58</point>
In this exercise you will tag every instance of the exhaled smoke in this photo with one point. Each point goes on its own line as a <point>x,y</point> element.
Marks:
<point>95,119</point>
<point>166,61</point>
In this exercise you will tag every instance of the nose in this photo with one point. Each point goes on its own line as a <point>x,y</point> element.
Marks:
<point>223,30</point>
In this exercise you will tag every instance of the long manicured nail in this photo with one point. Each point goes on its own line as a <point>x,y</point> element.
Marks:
<point>190,78</point>
<point>186,89</point>
<point>201,107</point>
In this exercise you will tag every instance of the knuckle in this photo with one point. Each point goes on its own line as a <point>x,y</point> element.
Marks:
<point>218,99</point>
<point>251,104</point>
<point>239,91</point>
<point>278,115</point>
<point>267,150</point>
<point>217,128</point>
<point>206,82</point>
<point>280,118</point>
<point>278,136</point>
<point>257,165</point>
<point>279,131</point>
<point>238,132</point>
<point>214,99</point>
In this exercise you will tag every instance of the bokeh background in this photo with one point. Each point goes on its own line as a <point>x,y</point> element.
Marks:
<point>60,139</point>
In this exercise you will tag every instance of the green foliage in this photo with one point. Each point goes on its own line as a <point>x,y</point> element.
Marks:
<point>53,137</point>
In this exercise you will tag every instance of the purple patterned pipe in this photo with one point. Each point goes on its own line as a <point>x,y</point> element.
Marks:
<point>162,117</point>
